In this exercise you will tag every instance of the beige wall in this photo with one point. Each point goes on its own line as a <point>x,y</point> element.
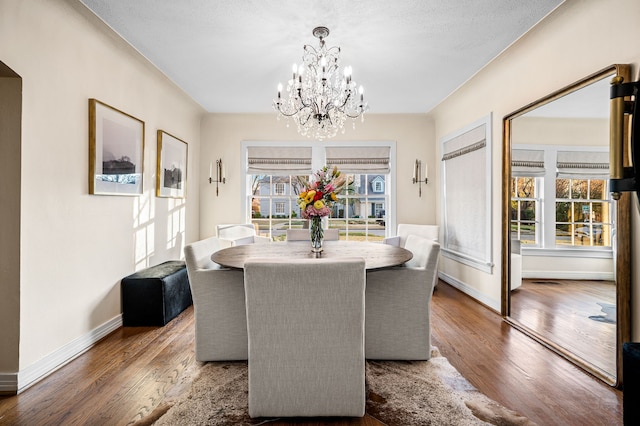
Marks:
<point>561,131</point>
<point>222,135</point>
<point>576,40</point>
<point>76,247</point>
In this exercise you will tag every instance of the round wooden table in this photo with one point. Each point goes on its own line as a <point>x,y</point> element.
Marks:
<point>376,255</point>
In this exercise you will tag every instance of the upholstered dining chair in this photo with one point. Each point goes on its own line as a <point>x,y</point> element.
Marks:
<point>305,320</point>
<point>219,303</point>
<point>405,229</point>
<point>398,305</point>
<point>240,234</point>
<point>303,235</point>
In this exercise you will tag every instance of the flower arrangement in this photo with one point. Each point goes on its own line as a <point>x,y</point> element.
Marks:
<point>316,200</point>
<point>321,192</point>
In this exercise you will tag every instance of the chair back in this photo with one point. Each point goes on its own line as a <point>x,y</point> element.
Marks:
<point>236,231</point>
<point>303,235</point>
<point>305,321</point>
<point>425,253</point>
<point>197,255</point>
<point>427,231</point>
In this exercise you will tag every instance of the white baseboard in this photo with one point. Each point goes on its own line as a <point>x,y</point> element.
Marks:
<point>465,288</point>
<point>17,382</point>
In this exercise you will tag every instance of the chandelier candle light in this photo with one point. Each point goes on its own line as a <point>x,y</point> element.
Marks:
<point>317,199</point>
<point>320,98</point>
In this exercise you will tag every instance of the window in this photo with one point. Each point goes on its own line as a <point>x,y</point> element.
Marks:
<point>357,215</point>
<point>378,185</point>
<point>274,175</point>
<point>524,210</point>
<point>466,194</point>
<point>582,213</point>
<point>559,197</point>
<point>280,207</point>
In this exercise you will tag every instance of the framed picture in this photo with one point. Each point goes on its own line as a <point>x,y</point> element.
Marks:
<point>116,151</point>
<point>171,171</point>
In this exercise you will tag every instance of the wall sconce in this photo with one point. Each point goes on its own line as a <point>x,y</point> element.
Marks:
<point>417,175</point>
<point>219,174</point>
<point>624,179</point>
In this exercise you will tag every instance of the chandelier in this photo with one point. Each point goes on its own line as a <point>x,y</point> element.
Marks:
<point>320,98</point>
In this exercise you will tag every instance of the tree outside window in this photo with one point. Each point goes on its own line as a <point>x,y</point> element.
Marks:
<point>524,208</point>
<point>583,215</point>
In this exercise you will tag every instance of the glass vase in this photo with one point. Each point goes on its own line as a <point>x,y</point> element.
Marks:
<point>317,234</point>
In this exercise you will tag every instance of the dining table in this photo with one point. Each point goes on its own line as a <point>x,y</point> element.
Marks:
<point>376,255</point>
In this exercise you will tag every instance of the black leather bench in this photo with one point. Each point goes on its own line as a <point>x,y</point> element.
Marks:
<point>155,295</point>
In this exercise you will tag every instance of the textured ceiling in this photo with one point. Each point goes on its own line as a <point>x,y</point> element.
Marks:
<point>230,55</point>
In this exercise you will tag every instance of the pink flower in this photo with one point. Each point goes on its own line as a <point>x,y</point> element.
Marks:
<point>311,211</point>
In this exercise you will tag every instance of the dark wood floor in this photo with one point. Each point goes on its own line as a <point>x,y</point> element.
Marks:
<point>559,310</point>
<point>127,375</point>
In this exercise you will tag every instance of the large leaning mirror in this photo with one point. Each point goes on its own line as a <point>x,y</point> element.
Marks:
<point>565,240</point>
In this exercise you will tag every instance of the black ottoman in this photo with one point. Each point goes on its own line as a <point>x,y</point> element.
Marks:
<point>631,383</point>
<point>156,295</point>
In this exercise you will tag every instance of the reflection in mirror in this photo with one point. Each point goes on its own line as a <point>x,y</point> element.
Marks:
<point>562,227</point>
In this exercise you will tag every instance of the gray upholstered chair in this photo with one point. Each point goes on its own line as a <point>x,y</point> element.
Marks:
<point>305,320</point>
<point>405,229</point>
<point>240,234</point>
<point>398,303</point>
<point>303,235</point>
<point>219,304</point>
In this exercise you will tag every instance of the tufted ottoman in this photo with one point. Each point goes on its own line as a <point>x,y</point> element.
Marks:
<point>155,295</point>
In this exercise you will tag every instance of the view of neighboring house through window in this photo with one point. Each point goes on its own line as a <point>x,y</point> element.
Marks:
<point>273,186</point>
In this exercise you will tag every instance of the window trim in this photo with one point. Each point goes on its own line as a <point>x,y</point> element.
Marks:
<point>317,162</point>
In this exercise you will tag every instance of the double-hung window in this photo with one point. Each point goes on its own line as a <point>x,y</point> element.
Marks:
<point>275,173</point>
<point>559,197</point>
<point>525,212</point>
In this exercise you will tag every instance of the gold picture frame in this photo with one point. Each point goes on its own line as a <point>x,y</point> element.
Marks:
<point>171,166</point>
<point>116,151</point>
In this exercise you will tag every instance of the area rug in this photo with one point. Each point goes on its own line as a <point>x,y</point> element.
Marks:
<point>609,312</point>
<point>398,393</point>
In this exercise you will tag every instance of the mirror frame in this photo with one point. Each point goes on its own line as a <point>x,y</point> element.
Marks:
<point>622,250</point>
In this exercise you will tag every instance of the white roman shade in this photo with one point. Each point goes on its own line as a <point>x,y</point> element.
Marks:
<point>289,160</point>
<point>527,162</point>
<point>466,202</point>
<point>366,160</point>
<point>583,165</point>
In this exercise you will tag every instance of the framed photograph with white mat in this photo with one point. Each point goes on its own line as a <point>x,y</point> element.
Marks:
<point>116,151</point>
<point>171,170</point>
